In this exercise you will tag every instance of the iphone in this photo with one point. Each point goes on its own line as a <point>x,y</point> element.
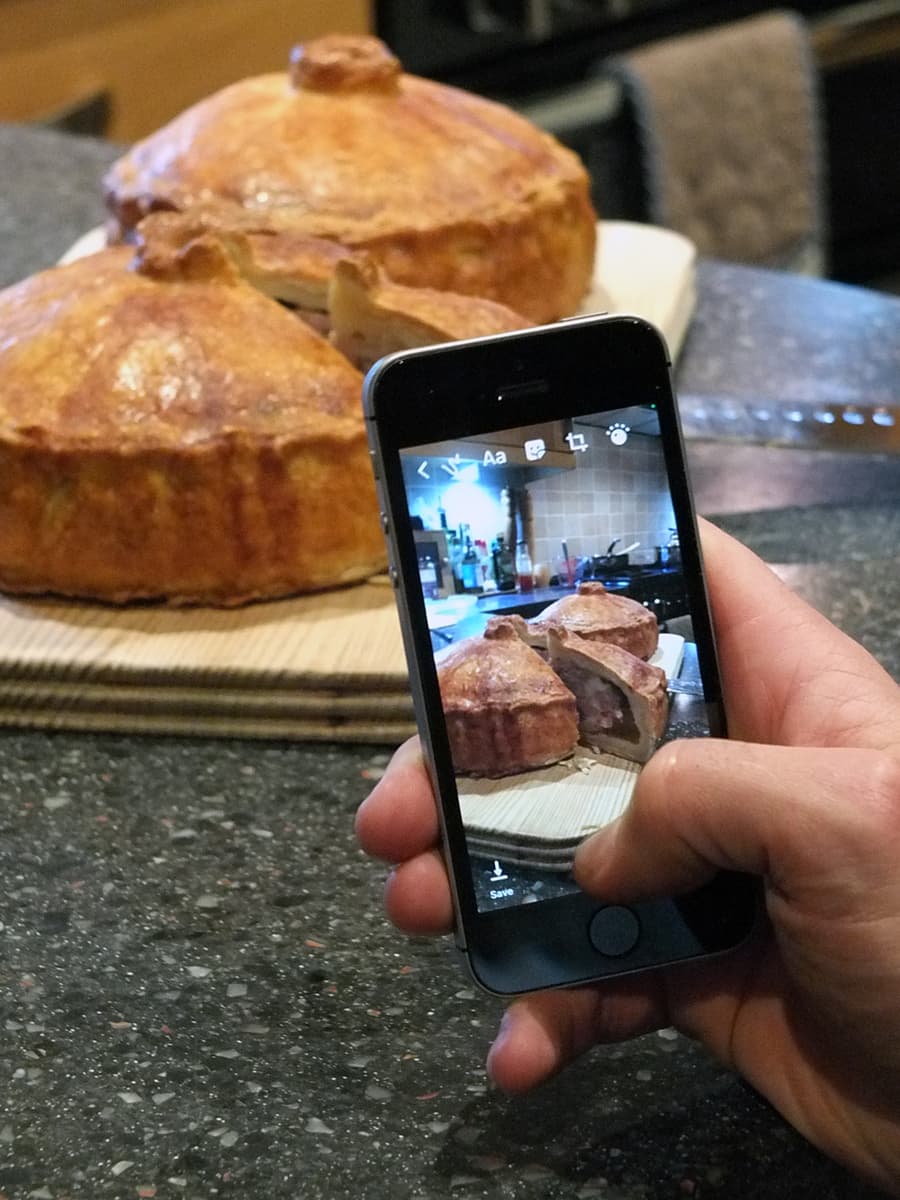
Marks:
<point>548,574</point>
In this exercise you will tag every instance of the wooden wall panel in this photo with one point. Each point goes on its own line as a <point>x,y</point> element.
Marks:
<point>153,57</point>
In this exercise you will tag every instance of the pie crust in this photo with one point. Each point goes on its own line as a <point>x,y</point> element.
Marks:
<point>371,316</point>
<point>506,710</point>
<point>169,432</point>
<point>443,188</point>
<point>601,616</point>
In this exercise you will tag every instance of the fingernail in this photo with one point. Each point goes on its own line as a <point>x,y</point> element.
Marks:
<point>502,1034</point>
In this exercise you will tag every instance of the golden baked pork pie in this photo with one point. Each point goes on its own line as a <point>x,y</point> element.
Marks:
<point>601,616</point>
<point>506,709</point>
<point>443,188</point>
<point>167,431</point>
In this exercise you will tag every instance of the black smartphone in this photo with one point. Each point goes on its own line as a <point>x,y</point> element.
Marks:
<point>548,573</point>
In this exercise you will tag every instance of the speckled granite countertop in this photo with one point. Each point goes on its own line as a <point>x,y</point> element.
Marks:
<point>199,996</point>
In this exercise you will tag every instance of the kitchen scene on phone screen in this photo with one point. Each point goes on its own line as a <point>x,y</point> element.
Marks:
<point>558,614</point>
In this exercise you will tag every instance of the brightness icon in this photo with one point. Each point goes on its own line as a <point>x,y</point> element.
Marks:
<point>618,433</point>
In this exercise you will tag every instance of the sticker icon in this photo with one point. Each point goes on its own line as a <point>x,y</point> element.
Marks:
<point>535,449</point>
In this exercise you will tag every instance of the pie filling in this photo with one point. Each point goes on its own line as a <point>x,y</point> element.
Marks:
<point>602,707</point>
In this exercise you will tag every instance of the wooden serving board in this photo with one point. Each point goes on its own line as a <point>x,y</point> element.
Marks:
<point>540,817</point>
<point>328,666</point>
<point>322,667</point>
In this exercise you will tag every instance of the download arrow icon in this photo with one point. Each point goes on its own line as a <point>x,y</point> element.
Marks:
<point>452,467</point>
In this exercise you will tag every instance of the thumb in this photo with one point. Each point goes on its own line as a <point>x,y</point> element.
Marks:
<point>807,818</point>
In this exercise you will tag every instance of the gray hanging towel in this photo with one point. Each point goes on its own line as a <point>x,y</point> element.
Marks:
<point>730,140</point>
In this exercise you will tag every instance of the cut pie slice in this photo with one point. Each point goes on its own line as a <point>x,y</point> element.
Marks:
<point>622,702</point>
<point>293,268</point>
<point>372,316</point>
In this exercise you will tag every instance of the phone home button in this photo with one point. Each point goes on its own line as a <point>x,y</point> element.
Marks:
<point>614,930</point>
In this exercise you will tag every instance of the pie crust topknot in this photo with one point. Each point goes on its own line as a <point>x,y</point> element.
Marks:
<point>443,188</point>
<point>169,432</point>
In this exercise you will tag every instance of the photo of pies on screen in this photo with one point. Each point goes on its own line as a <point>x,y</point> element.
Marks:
<point>561,630</point>
<point>510,709</point>
<point>597,615</point>
<point>506,708</point>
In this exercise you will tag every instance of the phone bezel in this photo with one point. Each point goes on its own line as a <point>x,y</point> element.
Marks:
<point>481,386</point>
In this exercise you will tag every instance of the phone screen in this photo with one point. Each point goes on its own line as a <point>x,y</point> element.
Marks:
<point>562,633</point>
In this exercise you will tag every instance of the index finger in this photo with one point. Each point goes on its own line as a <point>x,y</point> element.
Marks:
<point>399,820</point>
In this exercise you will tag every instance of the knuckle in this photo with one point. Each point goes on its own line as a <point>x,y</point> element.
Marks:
<point>662,779</point>
<point>882,789</point>
<point>672,764</point>
<point>866,827</point>
<point>663,764</point>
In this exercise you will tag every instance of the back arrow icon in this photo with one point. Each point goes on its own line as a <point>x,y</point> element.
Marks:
<point>423,469</point>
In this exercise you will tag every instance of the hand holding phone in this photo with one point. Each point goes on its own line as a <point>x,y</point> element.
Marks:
<point>543,687</point>
<point>808,798</point>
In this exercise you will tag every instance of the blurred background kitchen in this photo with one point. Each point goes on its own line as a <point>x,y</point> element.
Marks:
<point>119,70</point>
